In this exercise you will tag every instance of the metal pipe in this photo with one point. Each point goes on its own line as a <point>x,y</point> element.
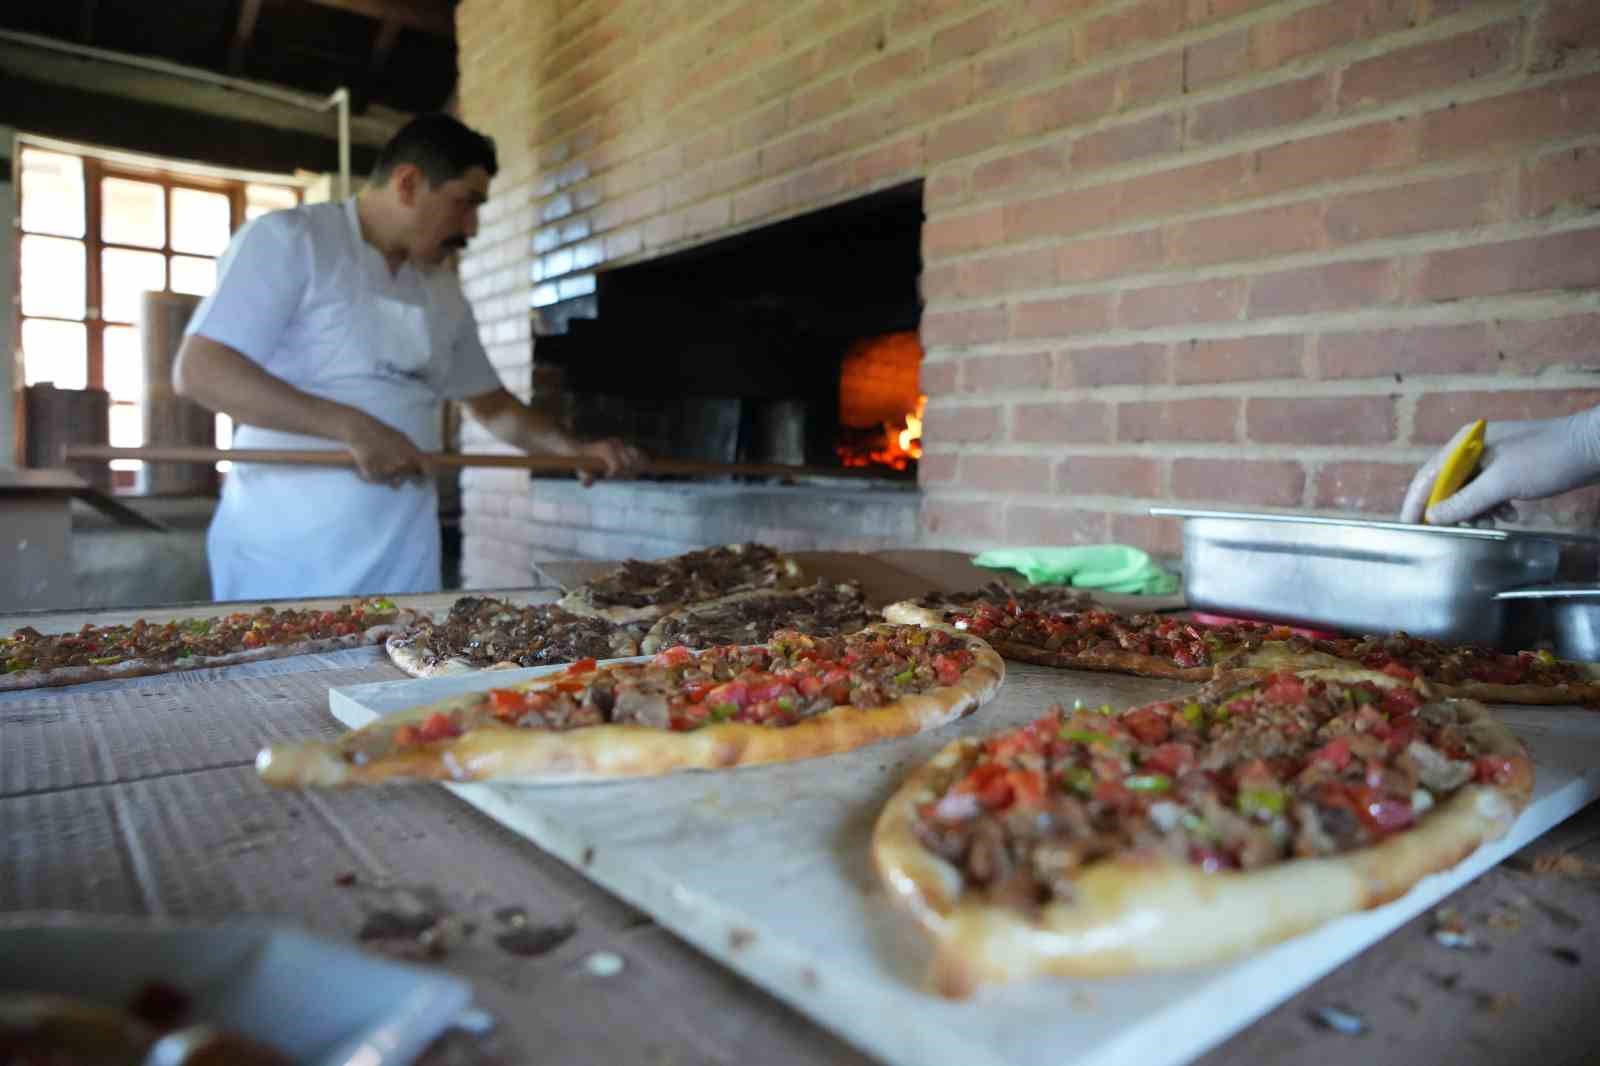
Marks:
<point>341,99</point>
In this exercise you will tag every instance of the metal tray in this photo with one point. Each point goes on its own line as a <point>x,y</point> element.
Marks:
<point>1362,576</point>
<point>1569,613</point>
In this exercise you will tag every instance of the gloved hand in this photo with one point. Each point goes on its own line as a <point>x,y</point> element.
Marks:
<point>1521,461</point>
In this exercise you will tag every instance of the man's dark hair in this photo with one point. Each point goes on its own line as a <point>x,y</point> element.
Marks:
<point>440,146</point>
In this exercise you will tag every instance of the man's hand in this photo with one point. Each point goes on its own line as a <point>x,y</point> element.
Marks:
<point>383,454</point>
<point>620,458</point>
<point>1521,461</point>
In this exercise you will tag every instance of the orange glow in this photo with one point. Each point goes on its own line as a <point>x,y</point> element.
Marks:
<point>901,442</point>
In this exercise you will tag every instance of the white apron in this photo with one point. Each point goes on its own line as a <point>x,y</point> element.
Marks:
<point>284,531</point>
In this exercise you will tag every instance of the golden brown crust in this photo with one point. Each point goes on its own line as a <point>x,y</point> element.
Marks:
<point>1135,918</point>
<point>606,751</point>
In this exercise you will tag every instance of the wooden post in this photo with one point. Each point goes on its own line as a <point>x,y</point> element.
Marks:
<point>170,419</point>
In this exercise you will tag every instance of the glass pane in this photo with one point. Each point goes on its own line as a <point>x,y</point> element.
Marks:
<point>259,199</point>
<point>127,431</point>
<point>124,275</point>
<point>201,221</point>
<point>52,277</point>
<point>133,212</point>
<point>224,440</point>
<point>123,372</point>
<point>52,193</point>
<point>194,276</point>
<point>57,352</point>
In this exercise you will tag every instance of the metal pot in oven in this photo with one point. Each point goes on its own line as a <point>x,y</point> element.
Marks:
<point>1360,576</point>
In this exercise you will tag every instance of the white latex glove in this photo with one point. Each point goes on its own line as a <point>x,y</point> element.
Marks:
<point>1521,461</point>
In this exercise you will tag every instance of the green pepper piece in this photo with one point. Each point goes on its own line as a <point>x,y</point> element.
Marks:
<point>1148,782</point>
<point>1193,713</point>
<point>1262,800</point>
<point>786,702</point>
<point>1544,656</point>
<point>724,711</point>
<point>1078,779</point>
<point>1082,736</point>
<point>906,676</point>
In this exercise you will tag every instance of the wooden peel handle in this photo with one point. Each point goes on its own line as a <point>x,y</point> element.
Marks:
<point>541,464</point>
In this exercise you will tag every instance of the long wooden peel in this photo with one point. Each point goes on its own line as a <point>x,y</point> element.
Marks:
<point>540,464</point>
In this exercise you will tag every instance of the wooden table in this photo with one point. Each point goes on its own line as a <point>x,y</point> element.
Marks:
<point>139,797</point>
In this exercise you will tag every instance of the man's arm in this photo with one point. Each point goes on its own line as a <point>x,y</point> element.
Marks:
<point>216,376</point>
<point>527,430</point>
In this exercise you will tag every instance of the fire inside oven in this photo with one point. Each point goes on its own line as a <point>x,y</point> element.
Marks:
<point>795,343</point>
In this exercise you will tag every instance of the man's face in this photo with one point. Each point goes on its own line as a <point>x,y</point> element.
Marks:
<point>443,217</point>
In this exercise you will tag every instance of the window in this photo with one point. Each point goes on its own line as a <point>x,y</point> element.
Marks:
<point>96,235</point>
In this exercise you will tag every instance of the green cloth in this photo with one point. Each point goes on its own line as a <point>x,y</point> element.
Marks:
<point>1112,567</point>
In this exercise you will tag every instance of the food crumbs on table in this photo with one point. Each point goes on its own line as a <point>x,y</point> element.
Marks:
<point>513,916</point>
<point>1490,1003</point>
<point>739,939</point>
<point>603,964</point>
<point>1566,863</point>
<point>1566,955</point>
<point>588,856</point>
<point>1449,930</point>
<point>1338,1020</point>
<point>809,978</point>
<point>346,879</point>
<point>529,941</point>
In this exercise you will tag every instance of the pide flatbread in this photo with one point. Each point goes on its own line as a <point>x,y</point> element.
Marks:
<point>795,697</point>
<point>823,609</point>
<point>483,633</point>
<point>933,606</point>
<point>640,591</point>
<point>30,659</point>
<point>1186,832</point>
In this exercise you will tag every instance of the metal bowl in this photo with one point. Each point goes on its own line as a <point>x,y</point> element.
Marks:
<point>1567,614</point>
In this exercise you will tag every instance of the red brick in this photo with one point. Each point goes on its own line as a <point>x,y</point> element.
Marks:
<point>1440,414</point>
<point>1572,340</point>
<point>1217,300</point>
<point>1203,11</point>
<point>1462,349</point>
<point>1256,234</point>
<point>967,135</point>
<point>992,373</point>
<point>939,379</point>
<point>1421,207</point>
<point>782,157</point>
<point>815,101</point>
<point>1436,65</point>
<point>1320,419</point>
<point>1155,78</point>
<point>969,37</point>
<point>1210,418</point>
<point>1560,109</point>
<point>1276,105</point>
<point>1060,317</point>
<point>1005,473</point>
<point>1319,29</point>
<point>1239,359</point>
<point>1161,537</point>
<point>1216,59</point>
<point>904,156</point>
<point>940,283</point>
<point>1149,20</point>
<point>1363,150</point>
<point>889,69</point>
<point>947,234</point>
<point>1085,422</point>
<point>761,201</point>
<point>1201,185</point>
<point>1333,286</point>
<point>1030,15</point>
<point>945,424</point>
<point>1123,144</point>
<point>977,522</point>
<point>1129,364</point>
<point>1031,269</point>
<point>1040,60</point>
<point>947,187</point>
<point>1028,523</point>
<point>1559,261</point>
<point>1109,475</point>
<point>1372,488</point>
<point>1262,482</point>
<point>1061,213</point>
<point>1094,258</point>
<point>971,326</point>
<point>1042,163</point>
<point>823,182</point>
<point>1434,10</point>
<point>937,468</point>
<point>1076,102</point>
<point>1568,179</point>
<point>1567,26</point>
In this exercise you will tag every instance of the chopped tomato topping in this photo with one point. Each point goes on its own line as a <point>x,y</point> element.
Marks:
<point>1383,813</point>
<point>1171,758</point>
<point>1495,769</point>
<point>1335,753</point>
<point>735,692</point>
<point>946,669</point>
<point>1285,688</point>
<point>582,666</point>
<point>439,726</point>
<point>1148,725</point>
<point>673,656</point>
<point>407,736</point>
<point>252,639</point>
<point>507,703</point>
<point>1394,669</point>
<point>1400,701</point>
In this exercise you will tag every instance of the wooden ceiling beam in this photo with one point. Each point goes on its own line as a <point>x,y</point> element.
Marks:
<point>430,16</point>
<point>244,30</point>
<point>382,45</point>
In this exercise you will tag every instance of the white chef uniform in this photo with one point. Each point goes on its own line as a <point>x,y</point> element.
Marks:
<point>303,295</point>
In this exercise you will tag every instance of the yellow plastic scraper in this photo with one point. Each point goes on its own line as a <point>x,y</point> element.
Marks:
<point>1458,466</point>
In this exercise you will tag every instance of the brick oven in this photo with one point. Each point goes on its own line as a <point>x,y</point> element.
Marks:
<point>1249,253</point>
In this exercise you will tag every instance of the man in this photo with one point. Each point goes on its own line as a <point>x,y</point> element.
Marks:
<point>339,324</point>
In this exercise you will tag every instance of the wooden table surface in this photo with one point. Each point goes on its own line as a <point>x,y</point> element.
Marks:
<point>139,798</point>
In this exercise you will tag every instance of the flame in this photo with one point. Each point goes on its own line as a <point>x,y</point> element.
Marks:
<point>901,443</point>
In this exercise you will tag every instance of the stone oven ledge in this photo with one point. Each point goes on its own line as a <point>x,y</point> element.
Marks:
<point>564,520</point>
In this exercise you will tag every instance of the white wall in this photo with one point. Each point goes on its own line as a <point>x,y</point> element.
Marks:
<point>8,237</point>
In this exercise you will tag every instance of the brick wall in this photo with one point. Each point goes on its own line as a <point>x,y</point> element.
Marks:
<point>1213,251</point>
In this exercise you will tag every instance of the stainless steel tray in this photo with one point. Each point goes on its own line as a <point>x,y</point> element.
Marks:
<point>1569,613</point>
<point>1361,576</point>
